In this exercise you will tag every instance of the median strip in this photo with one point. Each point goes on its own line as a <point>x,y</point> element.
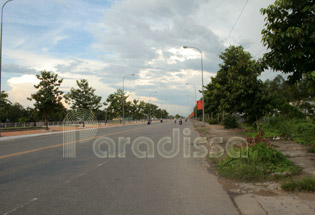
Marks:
<point>59,145</point>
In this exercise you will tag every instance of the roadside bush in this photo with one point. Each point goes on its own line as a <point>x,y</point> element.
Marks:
<point>311,148</point>
<point>302,131</point>
<point>290,112</point>
<point>305,184</point>
<point>213,121</point>
<point>262,162</point>
<point>230,122</point>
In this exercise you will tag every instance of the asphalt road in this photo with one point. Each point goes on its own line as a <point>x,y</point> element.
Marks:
<point>35,178</point>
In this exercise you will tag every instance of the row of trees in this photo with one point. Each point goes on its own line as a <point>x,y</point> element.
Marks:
<point>48,103</point>
<point>238,89</point>
<point>289,35</point>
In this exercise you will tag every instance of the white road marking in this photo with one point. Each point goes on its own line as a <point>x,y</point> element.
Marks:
<point>82,174</point>
<point>21,206</point>
<point>101,164</point>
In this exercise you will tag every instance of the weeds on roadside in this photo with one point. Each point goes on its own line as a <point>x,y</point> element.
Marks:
<point>298,130</point>
<point>311,148</point>
<point>263,162</point>
<point>305,184</point>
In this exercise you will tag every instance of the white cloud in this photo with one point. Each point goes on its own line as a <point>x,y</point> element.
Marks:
<point>21,88</point>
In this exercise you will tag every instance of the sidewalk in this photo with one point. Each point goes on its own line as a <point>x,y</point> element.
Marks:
<point>266,198</point>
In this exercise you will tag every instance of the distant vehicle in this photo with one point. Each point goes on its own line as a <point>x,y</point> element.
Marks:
<point>186,120</point>
<point>161,120</point>
<point>175,120</point>
<point>180,121</point>
<point>149,121</point>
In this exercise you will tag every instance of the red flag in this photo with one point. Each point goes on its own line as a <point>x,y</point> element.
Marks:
<point>199,105</point>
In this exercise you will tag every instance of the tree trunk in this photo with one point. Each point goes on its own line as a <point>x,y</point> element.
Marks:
<point>257,123</point>
<point>83,119</point>
<point>45,121</point>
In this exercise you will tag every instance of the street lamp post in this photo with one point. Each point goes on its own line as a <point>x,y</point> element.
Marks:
<point>1,53</point>
<point>195,98</point>
<point>203,96</point>
<point>192,100</point>
<point>123,99</point>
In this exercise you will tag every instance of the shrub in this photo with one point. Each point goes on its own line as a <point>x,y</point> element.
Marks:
<point>263,162</point>
<point>311,148</point>
<point>213,121</point>
<point>230,122</point>
<point>290,112</point>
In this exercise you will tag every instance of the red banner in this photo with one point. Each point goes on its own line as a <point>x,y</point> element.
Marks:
<point>191,115</point>
<point>199,105</point>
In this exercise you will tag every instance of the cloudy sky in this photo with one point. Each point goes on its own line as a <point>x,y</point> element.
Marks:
<point>104,40</point>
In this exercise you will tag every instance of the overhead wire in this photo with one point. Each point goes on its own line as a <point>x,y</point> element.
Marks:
<point>236,21</point>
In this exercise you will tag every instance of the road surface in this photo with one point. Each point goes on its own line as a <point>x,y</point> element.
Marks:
<point>35,178</point>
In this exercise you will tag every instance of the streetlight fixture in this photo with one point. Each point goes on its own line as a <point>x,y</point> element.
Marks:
<point>203,97</point>
<point>195,98</point>
<point>123,99</point>
<point>1,52</point>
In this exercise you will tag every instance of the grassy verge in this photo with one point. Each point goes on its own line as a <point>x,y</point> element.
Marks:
<point>263,162</point>
<point>300,131</point>
<point>305,184</point>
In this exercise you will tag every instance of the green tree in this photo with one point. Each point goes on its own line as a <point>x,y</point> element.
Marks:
<point>83,97</point>
<point>114,102</point>
<point>5,105</point>
<point>289,35</point>
<point>237,87</point>
<point>15,112</point>
<point>48,96</point>
<point>285,98</point>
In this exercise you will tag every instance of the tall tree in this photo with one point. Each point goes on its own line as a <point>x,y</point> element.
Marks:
<point>237,87</point>
<point>5,105</point>
<point>48,96</point>
<point>83,97</point>
<point>289,35</point>
<point>114,102</point>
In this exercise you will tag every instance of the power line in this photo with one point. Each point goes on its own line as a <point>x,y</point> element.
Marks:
<point>233,26</point>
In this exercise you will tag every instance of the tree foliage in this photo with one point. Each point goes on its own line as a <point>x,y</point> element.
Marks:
<point>5,104</point>
<point>83,97</point>
<point>48,96</point>
<point>134,109</point>
<point>236,87</point>
<point>289,34</point>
